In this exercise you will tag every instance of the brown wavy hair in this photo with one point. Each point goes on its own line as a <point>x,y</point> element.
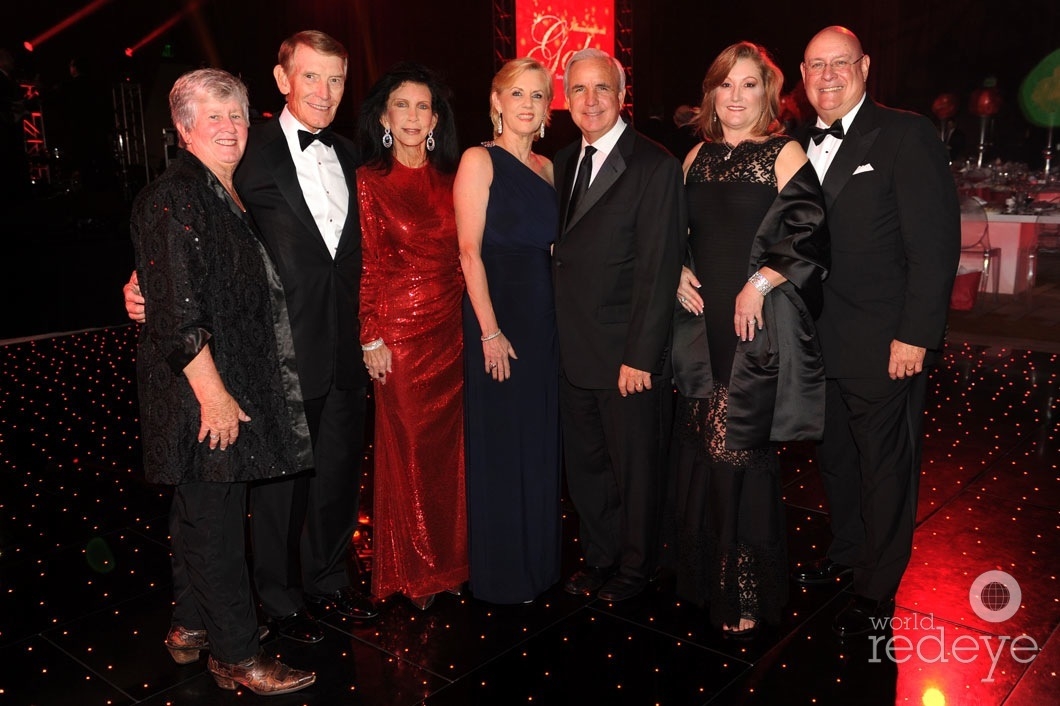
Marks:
<point>707,124</point>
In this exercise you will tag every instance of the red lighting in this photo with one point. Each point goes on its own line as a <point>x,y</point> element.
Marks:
<point>552,31</point>
<point>63,24</point>
<point>162,28</point>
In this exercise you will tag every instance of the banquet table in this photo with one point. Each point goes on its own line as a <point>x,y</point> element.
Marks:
<point>1016,235</point>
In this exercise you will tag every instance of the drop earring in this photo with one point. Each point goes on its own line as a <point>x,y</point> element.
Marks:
<point>500,123</point>
<point>542,132</point>
<point>430,141</point>
<point>388,139</point>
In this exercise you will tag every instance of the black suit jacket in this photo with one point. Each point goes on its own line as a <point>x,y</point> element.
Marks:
<point>322,292</point>
<point>892,212</point>
<point>616,262</point>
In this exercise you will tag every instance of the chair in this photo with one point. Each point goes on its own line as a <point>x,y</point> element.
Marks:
<point>1046,242</point>
<point>975,241</point>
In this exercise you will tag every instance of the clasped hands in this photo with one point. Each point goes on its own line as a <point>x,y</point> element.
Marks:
<point>747,317</point>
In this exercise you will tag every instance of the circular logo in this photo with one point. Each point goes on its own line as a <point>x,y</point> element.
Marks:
<point>995,596</point>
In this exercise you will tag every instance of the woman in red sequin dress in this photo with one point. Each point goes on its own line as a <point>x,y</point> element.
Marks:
<point>411,290</point>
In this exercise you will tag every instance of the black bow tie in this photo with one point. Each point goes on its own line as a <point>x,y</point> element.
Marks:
<point>835,130</point>
<point>326,136</point>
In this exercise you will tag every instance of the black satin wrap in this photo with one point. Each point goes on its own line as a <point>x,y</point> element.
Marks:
<point>186,345</point>
<point>776,391</point>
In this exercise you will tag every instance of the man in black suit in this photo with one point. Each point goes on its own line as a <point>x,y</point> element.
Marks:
<point>615,269</point>
<point>297,181</point>
<point>895,226</point>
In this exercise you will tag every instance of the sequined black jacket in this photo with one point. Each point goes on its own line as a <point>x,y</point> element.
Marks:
<point>211,282</point>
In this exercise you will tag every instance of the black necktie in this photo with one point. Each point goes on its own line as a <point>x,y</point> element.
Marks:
<point>325,136</point>
<point>835,130</point>
<point>581,181</point>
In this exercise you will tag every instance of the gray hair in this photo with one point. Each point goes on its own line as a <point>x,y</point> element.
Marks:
<point>189,88</point>
<point>594,54</point>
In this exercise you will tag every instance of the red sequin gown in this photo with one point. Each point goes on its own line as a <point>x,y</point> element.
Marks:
<point>411,290</point>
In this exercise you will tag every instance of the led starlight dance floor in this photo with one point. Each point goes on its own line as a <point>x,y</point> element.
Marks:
<point>84,574</point>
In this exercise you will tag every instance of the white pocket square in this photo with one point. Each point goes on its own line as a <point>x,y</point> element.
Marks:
<point>863,168</point>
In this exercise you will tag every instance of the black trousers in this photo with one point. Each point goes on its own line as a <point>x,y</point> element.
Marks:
<point>615,451</point>
<point>870,465</point>
<point>211,583</point>
<point>301,527</point>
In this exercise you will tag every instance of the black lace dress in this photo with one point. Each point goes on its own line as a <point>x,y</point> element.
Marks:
<point>731,547</point>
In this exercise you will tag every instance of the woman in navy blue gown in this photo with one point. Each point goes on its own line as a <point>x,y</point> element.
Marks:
<point>507,215</point>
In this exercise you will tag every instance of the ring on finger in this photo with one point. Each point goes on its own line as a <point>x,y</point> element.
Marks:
<point>682,300</point>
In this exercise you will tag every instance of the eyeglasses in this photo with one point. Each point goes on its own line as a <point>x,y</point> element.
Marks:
<point>837,65</point>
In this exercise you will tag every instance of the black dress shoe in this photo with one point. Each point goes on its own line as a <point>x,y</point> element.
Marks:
<point>821,572</point>
<point>344,601</point>
<point>587,581</point>
<point>863,615</point>
<point>621,588</point>
<point>300,627</point>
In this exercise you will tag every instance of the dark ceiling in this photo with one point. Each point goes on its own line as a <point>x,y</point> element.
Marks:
<point>919,49</point>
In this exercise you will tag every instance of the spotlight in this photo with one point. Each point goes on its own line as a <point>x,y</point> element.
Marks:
<point>63,24</point>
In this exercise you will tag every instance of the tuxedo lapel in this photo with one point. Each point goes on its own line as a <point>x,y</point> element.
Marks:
<point>610,171</point>
<point>566,182</point>
<point>282,166</point>
<point>351,228</point>
<point>855,145</point>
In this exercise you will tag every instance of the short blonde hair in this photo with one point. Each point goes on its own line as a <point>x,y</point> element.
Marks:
<point>772,81</point>
<point>506,77</point>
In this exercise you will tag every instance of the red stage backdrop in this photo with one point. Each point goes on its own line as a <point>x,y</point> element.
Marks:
<point>551,30</point>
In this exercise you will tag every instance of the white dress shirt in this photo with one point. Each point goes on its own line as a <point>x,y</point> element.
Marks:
<point>322,180</point>
<point>603,148</point>
<point>821,155</point>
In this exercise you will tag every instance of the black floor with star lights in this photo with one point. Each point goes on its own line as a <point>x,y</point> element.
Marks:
<point>84,574</point>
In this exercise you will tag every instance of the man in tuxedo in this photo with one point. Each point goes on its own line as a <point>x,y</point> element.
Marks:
<point>297,181</point>
<point>615,269</point>
<point>895,226</point>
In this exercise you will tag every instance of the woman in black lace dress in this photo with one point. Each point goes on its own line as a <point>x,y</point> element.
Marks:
<point>746,357</point>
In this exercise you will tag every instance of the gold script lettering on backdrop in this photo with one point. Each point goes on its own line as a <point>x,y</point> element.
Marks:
<point>552,32</point>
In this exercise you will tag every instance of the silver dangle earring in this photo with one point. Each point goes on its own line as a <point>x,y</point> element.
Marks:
<point>388,139</point>
<point>542,133</point>
<point>500,123</point>
<point>430,141</point>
